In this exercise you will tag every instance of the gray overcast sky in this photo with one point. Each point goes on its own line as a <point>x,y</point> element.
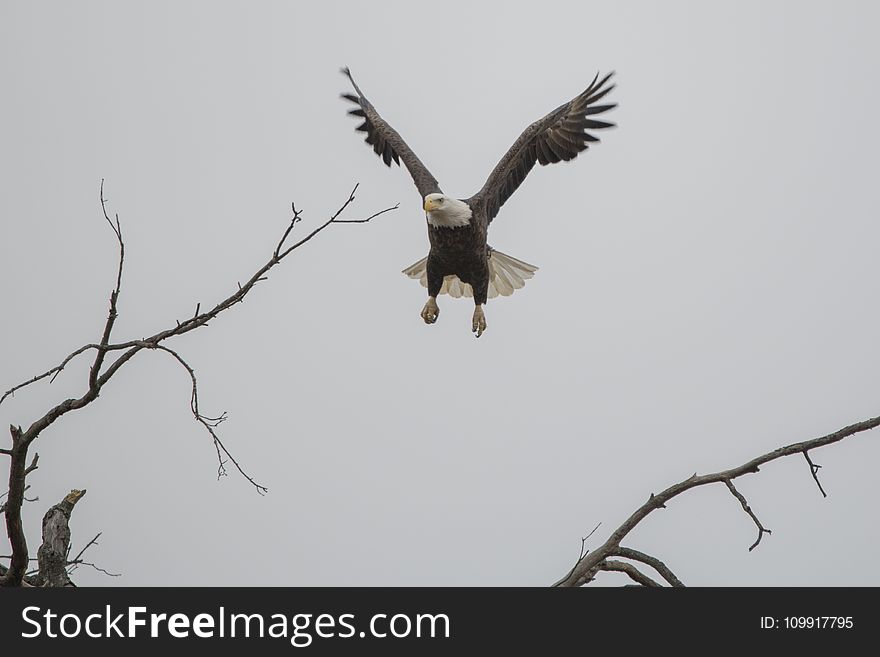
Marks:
<point>707,289</point>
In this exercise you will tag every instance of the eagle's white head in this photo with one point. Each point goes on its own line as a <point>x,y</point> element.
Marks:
<point>447,212</point>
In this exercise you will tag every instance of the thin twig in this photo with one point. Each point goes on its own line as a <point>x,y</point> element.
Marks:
<point>54,372</point>
<point>33,466</point>
<point>26,499</point>
<point>363,221</point>
<point>210,423</point>
<point>94,541</point>
<point>76,564</point>
<point>745,505</point>
<point>584,546</point>
<point>77,560</point>
<point>293,222</point>
<point>814,470</point>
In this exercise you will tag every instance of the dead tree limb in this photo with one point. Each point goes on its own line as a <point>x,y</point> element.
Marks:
<point>634,573</point>
<point>52,555</point>
<point>745,505</point>
<point>648,560</point>
<point>101,372</point>
<point>590,563</point>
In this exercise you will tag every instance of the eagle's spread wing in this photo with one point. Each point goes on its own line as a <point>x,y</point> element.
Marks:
<point>387,143</point>
<point>560,135</point>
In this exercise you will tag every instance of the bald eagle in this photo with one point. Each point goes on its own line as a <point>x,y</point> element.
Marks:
<point>460,262</point>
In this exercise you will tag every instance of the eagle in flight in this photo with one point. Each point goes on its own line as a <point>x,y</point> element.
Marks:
<point>460,262</point>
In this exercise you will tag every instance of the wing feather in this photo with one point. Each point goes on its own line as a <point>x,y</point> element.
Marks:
<point>570,142</point>
<point>596,109</point>
<point>559,136</point>
<point>387,143</point>
<point>545,155</point>
<point>563,152</point>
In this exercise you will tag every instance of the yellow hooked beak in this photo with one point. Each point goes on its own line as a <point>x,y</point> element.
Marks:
<point>431,204</point>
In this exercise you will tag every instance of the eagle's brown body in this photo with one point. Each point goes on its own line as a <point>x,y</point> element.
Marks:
<point>461,251</point>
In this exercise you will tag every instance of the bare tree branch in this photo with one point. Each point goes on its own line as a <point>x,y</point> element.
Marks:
<point>114,296</point>
<point>634,573</point>
<point>655,563</point>
<point>584,546</point>
<point>26,499</point>
<point>33,466</point>
<point>332,220</point>
<point>587,566</point>
<point>745,505</point>
<point>75,564</point>
<point>94,541</point>
<point>77,561</point>
<point>210,424</point>
<point>100,374</point>
<point>199,319</point>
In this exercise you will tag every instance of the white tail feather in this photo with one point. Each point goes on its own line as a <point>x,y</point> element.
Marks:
<point>506,275</point>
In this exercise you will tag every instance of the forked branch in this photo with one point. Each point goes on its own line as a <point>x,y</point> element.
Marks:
<point>586,567</point>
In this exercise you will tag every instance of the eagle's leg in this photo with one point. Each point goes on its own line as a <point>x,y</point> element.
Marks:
<point>431,311</point>
<point>481,290</point>
<point>479,323</point>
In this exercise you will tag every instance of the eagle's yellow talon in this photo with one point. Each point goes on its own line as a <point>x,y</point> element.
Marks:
<point>431,311</point>
<point>479,323</point>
